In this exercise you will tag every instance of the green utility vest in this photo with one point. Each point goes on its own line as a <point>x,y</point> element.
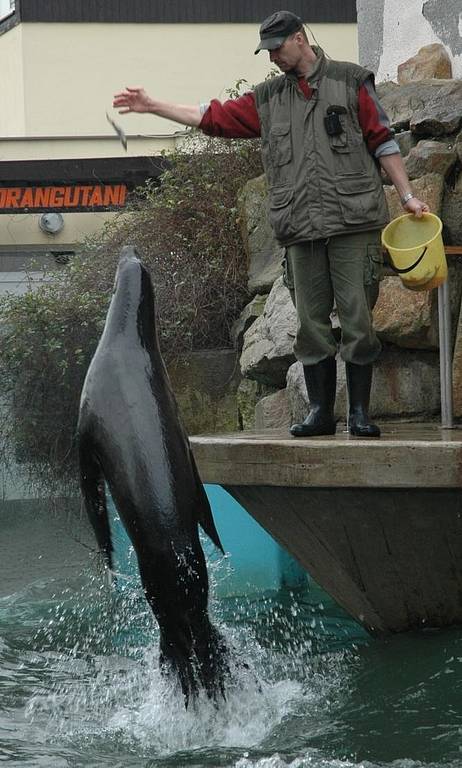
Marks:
<point>320,185</point>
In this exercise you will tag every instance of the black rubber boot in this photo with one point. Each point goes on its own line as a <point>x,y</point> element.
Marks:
<point>321,382</point>
<point>359,380</point>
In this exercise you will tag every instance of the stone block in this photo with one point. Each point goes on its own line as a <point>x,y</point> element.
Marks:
<point>406,384</point>
<point>405,140</point>
<point>264,254</point>
<point>249,393</point>
<point>428,188</point>
<point>431,61</point>
<point>272,412</point>
<point>429,107</point>
<point>267,350</point>
<point>430,157</point>
<point>205,385</point>
<point>451,213</point>
<point>406,318</point>
<point>248,316</point>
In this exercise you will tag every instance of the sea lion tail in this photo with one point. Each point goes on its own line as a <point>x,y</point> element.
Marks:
<point>200,659</point>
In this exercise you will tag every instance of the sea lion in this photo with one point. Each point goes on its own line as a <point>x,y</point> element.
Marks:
<point>130,435</point>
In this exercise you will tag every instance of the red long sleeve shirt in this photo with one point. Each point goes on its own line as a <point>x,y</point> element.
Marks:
<point>238,118</point>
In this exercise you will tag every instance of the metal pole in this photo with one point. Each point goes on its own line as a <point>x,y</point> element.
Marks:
<point>444,330</point>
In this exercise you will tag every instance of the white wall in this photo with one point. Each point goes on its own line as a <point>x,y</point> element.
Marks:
<point>391,31</point>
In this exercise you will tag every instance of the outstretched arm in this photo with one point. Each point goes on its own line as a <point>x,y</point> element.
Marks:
<point>137,100</point>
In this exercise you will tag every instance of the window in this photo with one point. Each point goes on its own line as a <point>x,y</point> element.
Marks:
<point>6,8</point>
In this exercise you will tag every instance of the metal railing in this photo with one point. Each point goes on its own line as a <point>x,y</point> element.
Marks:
<point>445,344</point>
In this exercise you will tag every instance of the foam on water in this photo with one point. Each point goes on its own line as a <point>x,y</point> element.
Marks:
<point>126,699</point>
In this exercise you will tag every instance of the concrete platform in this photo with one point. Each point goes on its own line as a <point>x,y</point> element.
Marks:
<point>407,455</point>
<point>377,523</point>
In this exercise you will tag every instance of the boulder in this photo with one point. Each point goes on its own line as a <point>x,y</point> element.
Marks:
<point>441,115</point>
<point>386,89</point>
<point>248,316</point>
<point>431,61</point>
<point>430,107</point>
<point>264,254</point>
<point>205,385</point>
<point>430,157</point>
<point>406,318</point>
<point>249,393</point>
<point>428,188</point>
<point>406,384</point>
<point>451,213</point>
<point>405,140</point>
<point>272,412</point>
<point>458,147</point>
<point>267,350</point>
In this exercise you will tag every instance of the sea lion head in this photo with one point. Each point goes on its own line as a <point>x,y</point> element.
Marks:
<point>133,304</point>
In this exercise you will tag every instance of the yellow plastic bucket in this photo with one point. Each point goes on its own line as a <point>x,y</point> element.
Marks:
<point>416,250</point>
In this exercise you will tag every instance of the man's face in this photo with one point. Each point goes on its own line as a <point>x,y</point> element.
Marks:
<point>287,56</point>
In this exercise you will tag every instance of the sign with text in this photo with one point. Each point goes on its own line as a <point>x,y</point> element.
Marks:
<point>84,197</point>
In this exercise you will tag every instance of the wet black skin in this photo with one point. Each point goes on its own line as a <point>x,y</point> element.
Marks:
<point>131,436</point>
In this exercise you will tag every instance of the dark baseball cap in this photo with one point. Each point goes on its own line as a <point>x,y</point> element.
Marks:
<point>276,28</point>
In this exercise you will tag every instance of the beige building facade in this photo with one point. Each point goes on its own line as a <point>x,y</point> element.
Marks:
<point>60,68</point>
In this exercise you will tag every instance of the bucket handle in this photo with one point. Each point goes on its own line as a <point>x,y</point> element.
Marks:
<point>408,269</point>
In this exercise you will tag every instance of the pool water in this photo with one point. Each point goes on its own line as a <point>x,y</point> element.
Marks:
<point>80,682</point>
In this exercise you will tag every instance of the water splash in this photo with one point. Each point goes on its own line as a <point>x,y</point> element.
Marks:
<point>107,688</point>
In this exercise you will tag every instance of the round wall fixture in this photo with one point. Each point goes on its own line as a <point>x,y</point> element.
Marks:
<point>51,223</point>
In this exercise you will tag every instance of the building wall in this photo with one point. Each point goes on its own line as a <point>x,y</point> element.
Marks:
<point>22,230</point>
<point>391,31</point>
<point>12,108</point>
<point>62,76</point>
<point>71,71</point>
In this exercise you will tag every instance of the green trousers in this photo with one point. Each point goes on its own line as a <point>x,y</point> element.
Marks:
<point>345,269</point>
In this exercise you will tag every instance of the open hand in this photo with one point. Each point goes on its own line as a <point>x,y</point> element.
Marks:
<point>132,100</point>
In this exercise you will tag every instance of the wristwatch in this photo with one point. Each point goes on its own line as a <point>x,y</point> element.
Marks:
<point>405,198</point>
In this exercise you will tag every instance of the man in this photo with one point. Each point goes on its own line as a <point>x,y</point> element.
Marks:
<point>324,137</point>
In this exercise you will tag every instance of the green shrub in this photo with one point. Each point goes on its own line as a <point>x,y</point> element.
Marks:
<point>187,233</point>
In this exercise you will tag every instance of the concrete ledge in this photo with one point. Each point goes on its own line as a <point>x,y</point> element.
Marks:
<point>406,456</point>
<point>378,523</point>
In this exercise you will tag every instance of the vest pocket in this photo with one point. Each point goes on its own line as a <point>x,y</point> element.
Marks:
<point>280,213</point>
<point>358,199</point>
<point>280,144</point>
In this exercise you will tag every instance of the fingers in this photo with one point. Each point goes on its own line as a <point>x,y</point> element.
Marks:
<point>417,207</point>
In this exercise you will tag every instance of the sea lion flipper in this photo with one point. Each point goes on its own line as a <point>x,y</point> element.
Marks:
<point>94,494</point>
<point>204,512</point>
